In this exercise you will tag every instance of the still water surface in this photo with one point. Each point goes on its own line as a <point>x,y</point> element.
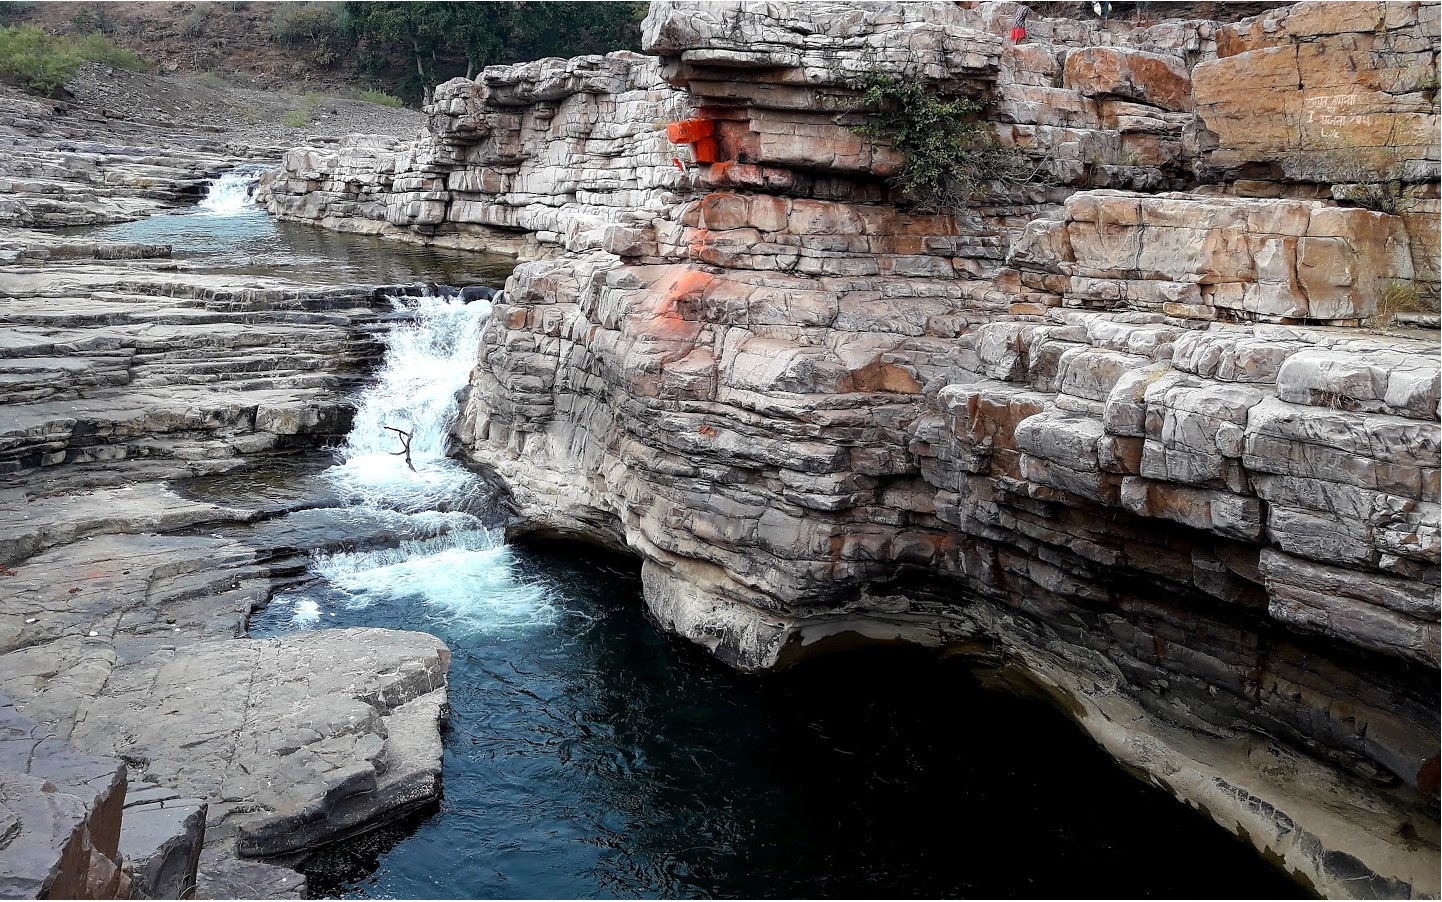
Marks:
<point>228,233</point>
<point>590,756</point>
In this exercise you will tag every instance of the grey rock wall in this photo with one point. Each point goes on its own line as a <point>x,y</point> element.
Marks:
<point>1130,443</point>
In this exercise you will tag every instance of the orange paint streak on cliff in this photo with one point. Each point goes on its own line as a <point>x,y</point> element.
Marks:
<point>669,319</point>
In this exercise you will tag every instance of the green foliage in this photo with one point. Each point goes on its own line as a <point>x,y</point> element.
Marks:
<point>1380,198</point>
<point>318,30</point>
<point>35,59</point>
<point>10,10</point>
<point>443,40</point>
<point>100,49</point>
<point>43,62</point>
<point>950,157</point>
<point>380,97</point>
<point>301,115</point>
<point>88,20</point>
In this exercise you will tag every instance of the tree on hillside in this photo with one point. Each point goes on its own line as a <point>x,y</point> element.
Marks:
<point>437,37</point>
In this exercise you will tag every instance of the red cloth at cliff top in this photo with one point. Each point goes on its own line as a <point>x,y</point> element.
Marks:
<point>1018,34</point>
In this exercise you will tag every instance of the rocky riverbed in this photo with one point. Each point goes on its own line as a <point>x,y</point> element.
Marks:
<point>1143,435</point>
<point>156,409</point>
<point>1142,438</point>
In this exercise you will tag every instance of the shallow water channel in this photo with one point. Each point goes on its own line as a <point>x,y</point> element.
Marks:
<point>227,233</point>
<point>589,755</point>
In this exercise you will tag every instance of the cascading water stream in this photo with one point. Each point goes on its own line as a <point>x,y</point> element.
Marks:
<point>589,756</point>
<point>232,192</point>
<point>459,569</point>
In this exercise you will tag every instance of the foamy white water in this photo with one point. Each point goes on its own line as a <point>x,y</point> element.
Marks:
<point>466,578</point>
<point>233,192</point>
<point>427,363</point>
<point>462,572</point>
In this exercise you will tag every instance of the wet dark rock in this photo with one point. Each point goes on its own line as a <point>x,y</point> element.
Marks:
<point>477,293</point>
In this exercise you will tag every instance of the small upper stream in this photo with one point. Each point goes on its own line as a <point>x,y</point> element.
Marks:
<point>228,233</point>
<point>589,755</point>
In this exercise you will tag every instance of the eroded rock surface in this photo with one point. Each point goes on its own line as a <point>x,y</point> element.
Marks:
<point>60,816</point>
<point>1116,431</point>
<point>1127,442</point>
<point>132,391</point>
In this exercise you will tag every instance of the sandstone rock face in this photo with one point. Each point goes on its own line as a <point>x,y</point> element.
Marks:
<point>1129,442</point>
<point>534,158</point>
<point>60,821</point>
<point>1328,92</point>
<point>1200,257</point>
<point>1333,93</point>
<point>184,369</point>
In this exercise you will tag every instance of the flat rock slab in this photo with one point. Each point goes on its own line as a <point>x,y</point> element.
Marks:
<point>223,876</point>
<point>293,741</point>
<point>162,835</point>
<point>60,812</point>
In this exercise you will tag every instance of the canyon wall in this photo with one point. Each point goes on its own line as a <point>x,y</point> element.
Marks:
<point>1144,436</point>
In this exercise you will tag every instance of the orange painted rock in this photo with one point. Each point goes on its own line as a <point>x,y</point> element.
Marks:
<point>690,131</point>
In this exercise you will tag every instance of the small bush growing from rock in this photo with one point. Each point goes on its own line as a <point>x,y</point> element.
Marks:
<point>35,59</point>
<point>1381,198</point>
<point>300,116</point>
<point>98,48</point>
<point>950,157</point>
<point>192,24</point>
<point>1402,297</point>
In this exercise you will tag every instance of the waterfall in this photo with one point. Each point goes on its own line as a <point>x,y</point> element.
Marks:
<point>233,192</point>
<point>414,400</point>
<point>427,362</point>
<point>461,572</point>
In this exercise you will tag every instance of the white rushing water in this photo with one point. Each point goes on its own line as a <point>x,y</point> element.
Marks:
<point>233,192</point>
<point>462,572</point>
<point>427,363</point>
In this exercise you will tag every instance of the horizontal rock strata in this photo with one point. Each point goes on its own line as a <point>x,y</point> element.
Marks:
<point>1116,430</point>
<point>129,568</point>
<point>528,159</point>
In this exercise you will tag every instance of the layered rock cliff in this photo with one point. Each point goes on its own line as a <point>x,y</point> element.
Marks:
<point>1116,435</point>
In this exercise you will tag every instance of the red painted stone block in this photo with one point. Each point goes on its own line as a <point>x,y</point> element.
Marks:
<point>690,131</point>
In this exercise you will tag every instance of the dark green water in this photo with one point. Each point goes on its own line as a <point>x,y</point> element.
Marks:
<point>248,242</point>
<point>590,756</point>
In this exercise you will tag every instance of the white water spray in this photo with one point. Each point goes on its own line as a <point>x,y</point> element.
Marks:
<point>462,572</point>
<point>232,193</point>
<point>427,363</point>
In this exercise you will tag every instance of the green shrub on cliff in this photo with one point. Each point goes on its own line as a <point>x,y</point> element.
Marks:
<point>98,48</point>
<point>442,40</point>
<point>316,30</point>
<point>950,156</point>
<point>381,98</point>
<point>43,62</point>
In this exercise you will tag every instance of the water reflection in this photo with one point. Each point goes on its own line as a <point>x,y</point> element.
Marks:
<point>244,240</point>
<point>594,757</point>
